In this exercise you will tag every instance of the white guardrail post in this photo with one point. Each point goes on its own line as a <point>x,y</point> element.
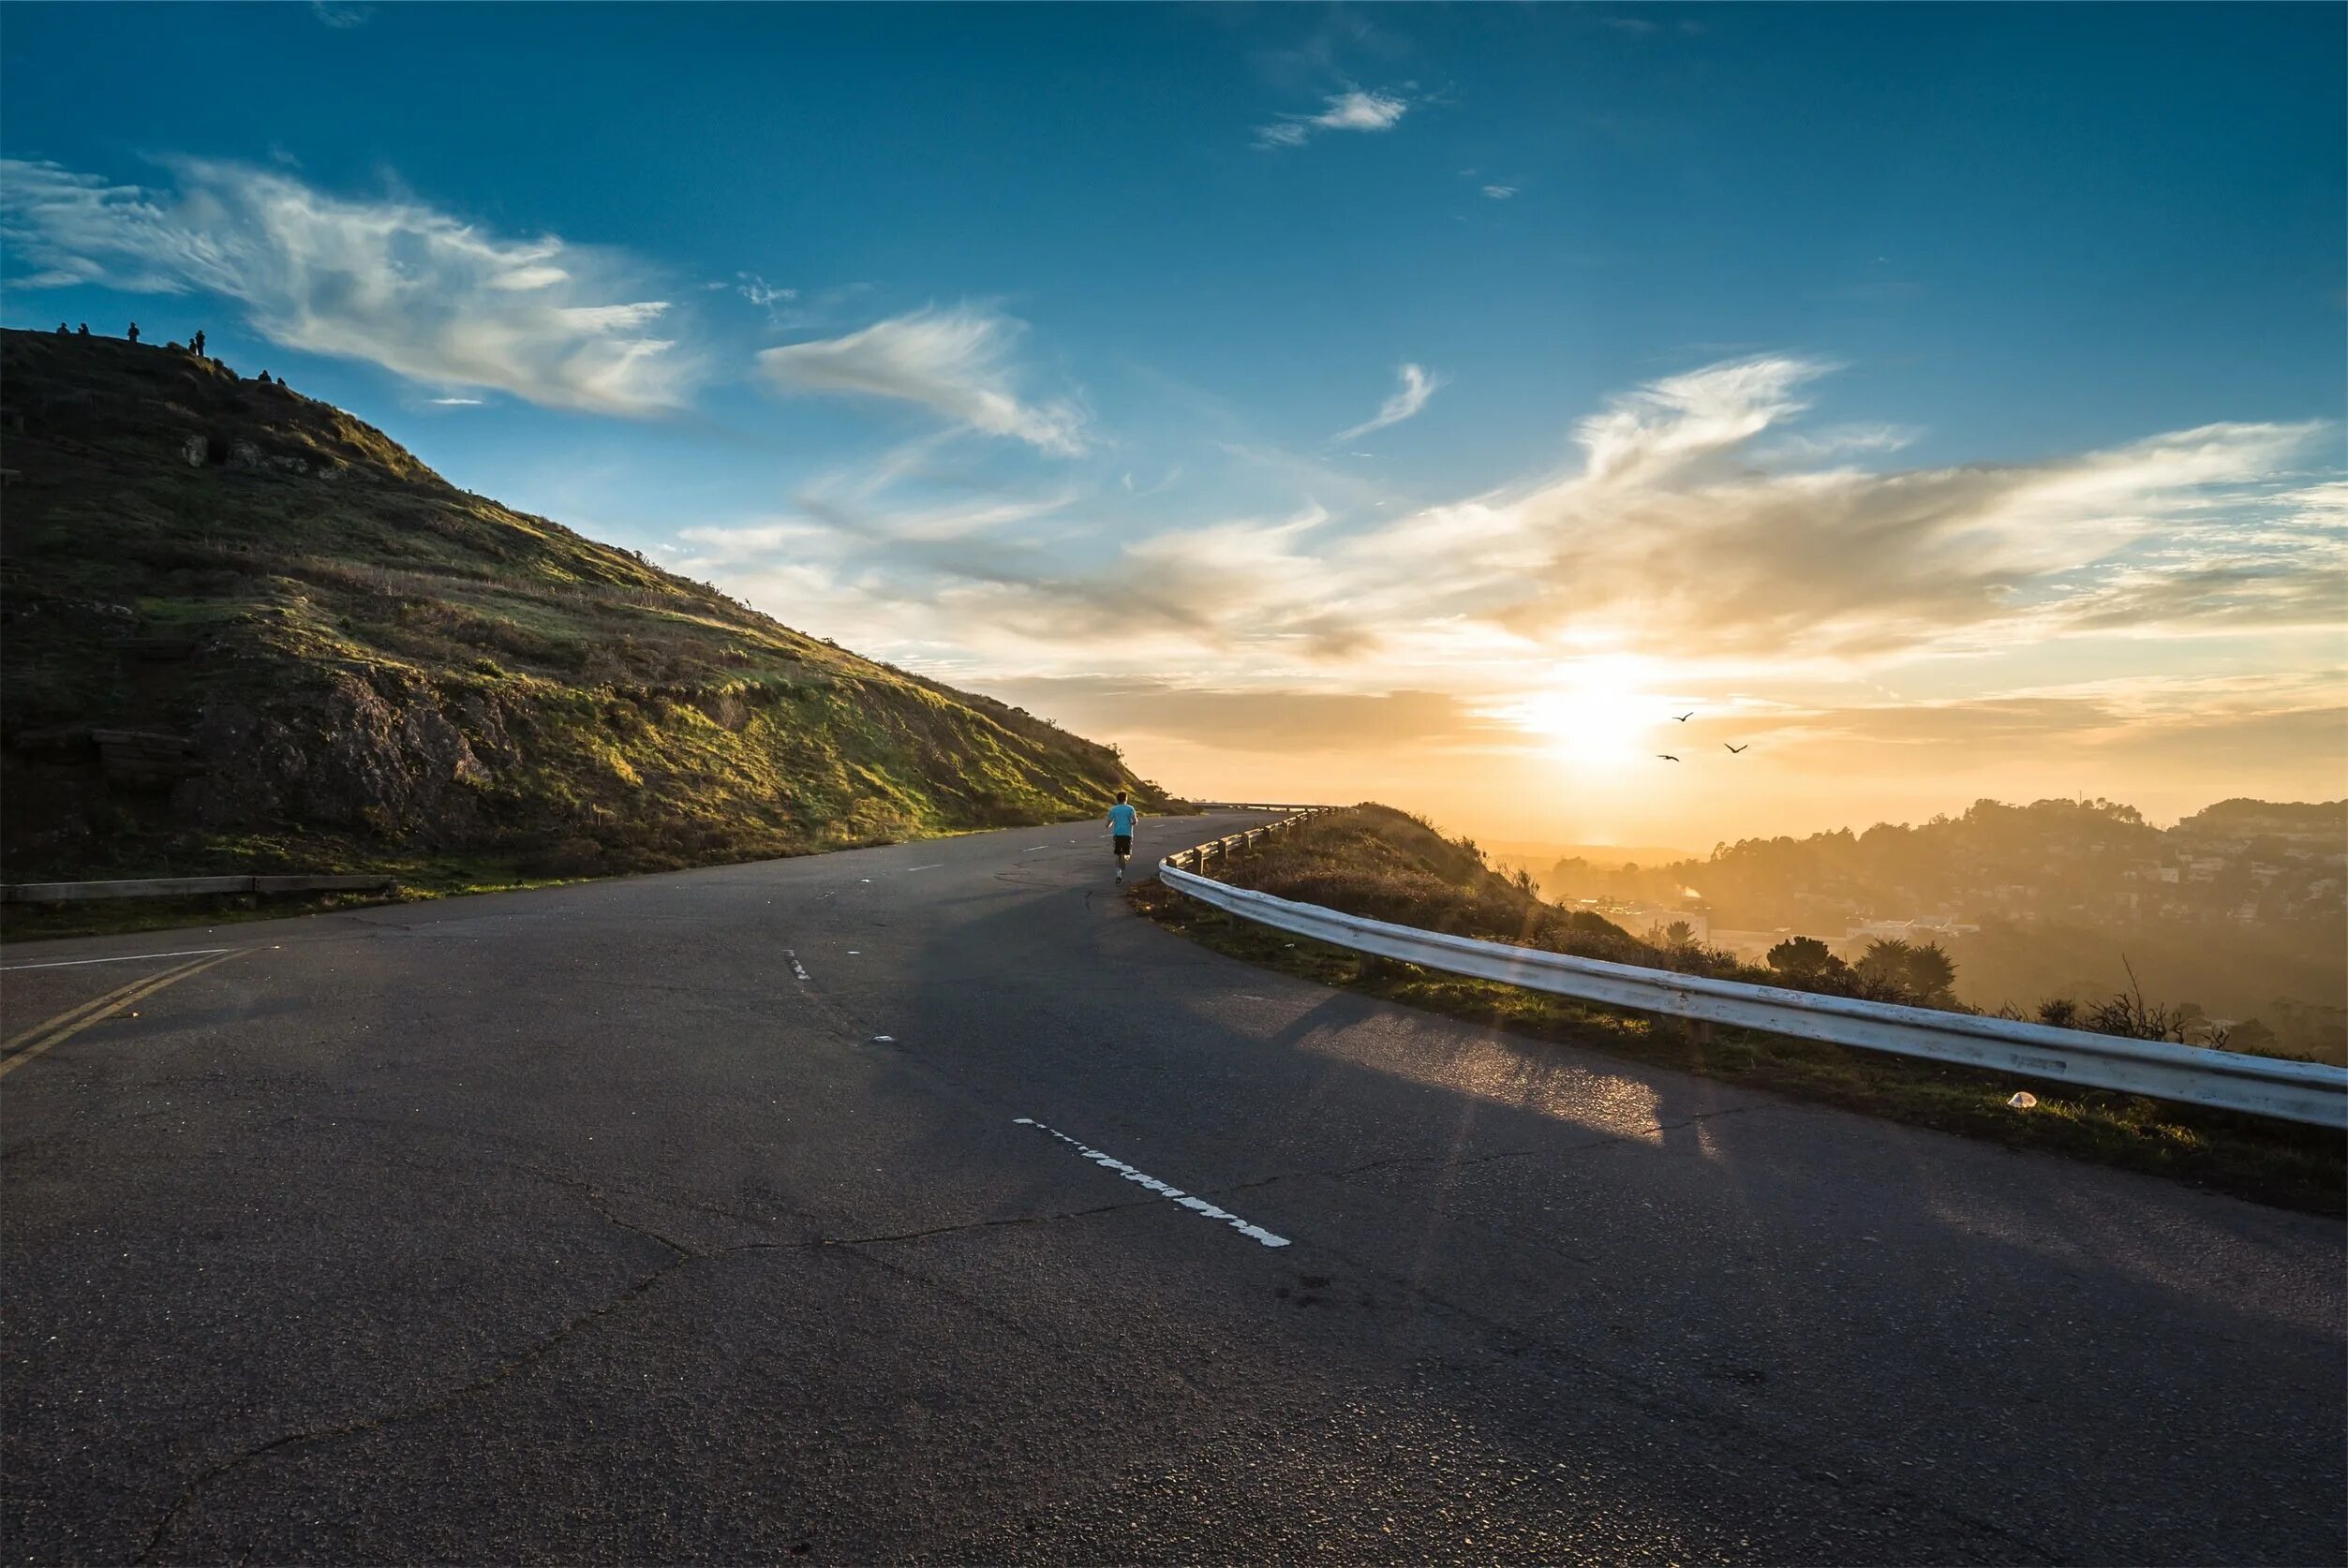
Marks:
<point>2301,1091</point>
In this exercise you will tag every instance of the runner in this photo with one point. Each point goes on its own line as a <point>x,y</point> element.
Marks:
<point>1121,821</point>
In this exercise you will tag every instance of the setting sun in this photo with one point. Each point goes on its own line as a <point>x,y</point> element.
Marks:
<point>1599,714</point>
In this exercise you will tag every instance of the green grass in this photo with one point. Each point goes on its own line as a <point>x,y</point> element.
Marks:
<point>1375,861</point>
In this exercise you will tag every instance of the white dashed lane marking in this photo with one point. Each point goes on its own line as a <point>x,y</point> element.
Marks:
<point>1198,1205</point>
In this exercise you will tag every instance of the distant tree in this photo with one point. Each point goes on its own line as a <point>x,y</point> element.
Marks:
<point>1802,958</point>
<point>1931,973</point>
<point>1679,934</point>
<point>2058,1012</point>
<point>1885,963</point>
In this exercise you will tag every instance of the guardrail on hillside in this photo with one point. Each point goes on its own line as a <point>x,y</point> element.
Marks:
<point>2300,1091</point>
<point>177,887</point>
<point>1230,843</point>
<point>1254,806</point>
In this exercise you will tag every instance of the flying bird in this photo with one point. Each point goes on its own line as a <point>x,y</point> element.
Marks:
<point>1666,757</point>
<point>1747,747</point>
<point>1684,717</point>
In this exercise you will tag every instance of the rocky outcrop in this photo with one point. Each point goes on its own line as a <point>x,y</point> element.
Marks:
<point>384,756</point>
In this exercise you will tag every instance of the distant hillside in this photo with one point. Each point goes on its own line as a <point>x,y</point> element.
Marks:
<point>2319,823</point>
<point>2240,909</point>
<point>246,631</point>
<point>2079,859</point>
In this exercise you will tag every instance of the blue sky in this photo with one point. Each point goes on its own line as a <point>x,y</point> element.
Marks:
<point>982,334</point>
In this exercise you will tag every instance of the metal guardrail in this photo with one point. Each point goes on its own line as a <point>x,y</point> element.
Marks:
<point>177,887</point>
<point>1231,843</point>
<point>2300,1091</point>
<point>1254,805</point>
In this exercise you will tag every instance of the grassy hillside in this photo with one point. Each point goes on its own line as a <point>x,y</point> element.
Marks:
<point>1378,861</point>
<point>246,631</point>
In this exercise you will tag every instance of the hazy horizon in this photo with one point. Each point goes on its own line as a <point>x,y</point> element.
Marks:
<point>1409,404</point>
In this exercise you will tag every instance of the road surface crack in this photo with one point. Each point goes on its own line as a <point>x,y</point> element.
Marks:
<point>594,1196</point>
<point>685,1257</point>
<point>423,1407</point>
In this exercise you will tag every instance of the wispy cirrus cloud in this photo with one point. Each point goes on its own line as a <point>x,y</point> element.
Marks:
<point>1411,396</point>
<point>393,282</point>
<point>764,295</point>
<point>958,363</point>
<point>1353,109</point>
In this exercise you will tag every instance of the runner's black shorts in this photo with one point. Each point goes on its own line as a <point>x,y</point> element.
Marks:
<point>1123,843</point>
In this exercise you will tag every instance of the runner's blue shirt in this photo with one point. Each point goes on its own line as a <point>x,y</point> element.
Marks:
<point>1121,819</point>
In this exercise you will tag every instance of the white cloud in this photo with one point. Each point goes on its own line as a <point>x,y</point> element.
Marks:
<point>1682,418</point>
<point>955,363</point>
<point>1361,111</point>
<point>1500,193</point>
<point>394,282</point>
<point>340,16</point>
<point>455,402</point>
<point>1349,111</point>
<point>1411,396</point>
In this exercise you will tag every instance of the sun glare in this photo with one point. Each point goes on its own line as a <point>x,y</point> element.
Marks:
<point>1599,715</point>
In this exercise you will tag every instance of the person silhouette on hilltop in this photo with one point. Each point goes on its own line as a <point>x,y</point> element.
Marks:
<point>134,332</point>
<point>61,331</point>
<point>197,342</point>
<point>84,331</point>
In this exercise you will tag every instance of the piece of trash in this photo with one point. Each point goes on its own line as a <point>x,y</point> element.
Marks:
<point>884,1040</point>
<point>2023,1100</point>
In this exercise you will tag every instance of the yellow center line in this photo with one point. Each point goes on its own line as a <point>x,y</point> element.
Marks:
<point>66,1026</point>
<point>67,1017</point>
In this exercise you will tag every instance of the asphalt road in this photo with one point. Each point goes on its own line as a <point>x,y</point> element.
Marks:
<point>575,1225</point>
